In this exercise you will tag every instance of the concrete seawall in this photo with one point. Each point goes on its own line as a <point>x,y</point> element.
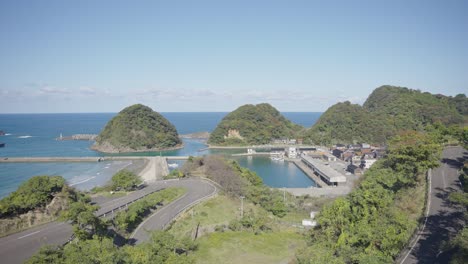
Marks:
<point>309,173</point>
<point>81,159</point>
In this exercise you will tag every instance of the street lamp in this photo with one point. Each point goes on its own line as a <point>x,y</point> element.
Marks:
<point>242,206</point>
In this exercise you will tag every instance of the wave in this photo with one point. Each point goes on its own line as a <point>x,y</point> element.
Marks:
<point>25,136</point>
<point>83,181</point>
<point>8,134</point>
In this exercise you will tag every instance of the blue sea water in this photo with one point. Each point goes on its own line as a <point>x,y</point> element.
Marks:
<point>34,135</point>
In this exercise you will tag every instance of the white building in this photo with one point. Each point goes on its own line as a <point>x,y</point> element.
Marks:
<point>367,163</point>
<point>292,152</point>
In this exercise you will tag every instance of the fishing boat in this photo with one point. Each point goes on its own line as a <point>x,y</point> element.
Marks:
<point>173,165</point>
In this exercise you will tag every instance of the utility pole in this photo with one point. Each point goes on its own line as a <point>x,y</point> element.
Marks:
<point>284,195</point>
<point>242,206</point>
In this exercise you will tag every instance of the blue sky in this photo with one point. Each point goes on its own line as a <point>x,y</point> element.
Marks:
<point>100,56</point>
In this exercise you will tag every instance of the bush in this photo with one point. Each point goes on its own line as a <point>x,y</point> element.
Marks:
<point>38,191</point>
<point>125,180</point>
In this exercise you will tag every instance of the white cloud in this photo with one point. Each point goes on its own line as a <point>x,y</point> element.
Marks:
<point>85,90</point>
<point>53,90</point>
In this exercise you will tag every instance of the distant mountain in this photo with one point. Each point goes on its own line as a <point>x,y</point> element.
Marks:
<point>252,125</point>
<point>387,110</point>
<point>137,128</point>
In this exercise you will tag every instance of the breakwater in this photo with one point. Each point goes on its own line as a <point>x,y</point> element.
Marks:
<point>81,159</point>
<point>89,137</point>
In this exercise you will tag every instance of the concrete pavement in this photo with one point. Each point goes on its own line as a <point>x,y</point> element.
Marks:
<point>197,190</point>
<point>18,247</point>
<point>443,218</point>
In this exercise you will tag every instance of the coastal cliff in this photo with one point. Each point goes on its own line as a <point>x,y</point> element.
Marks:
<point>137,128</point>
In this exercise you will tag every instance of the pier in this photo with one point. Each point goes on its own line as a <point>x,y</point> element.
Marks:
<point>309,172</point>
<point>89,137</point>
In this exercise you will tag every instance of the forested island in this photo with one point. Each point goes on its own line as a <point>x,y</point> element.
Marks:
<point>252,125</point>
<point>137,128</point>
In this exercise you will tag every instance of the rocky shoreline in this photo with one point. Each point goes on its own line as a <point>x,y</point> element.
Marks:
<point>111,149</point>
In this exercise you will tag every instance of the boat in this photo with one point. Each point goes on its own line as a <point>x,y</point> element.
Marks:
<point>2,145</point>
<point>173,165</point>
<point>2,133</point>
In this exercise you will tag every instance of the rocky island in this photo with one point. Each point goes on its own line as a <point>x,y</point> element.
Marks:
<point>252,125</point>
<point>137,128</point>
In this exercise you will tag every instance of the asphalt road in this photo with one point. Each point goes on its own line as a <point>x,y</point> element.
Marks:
<point>197,190</point>
<point>444,218</point>
<point>20,246</point>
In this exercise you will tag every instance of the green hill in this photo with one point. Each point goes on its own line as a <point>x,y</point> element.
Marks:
<point>137,128</point>
<point>387,110</point>
<point>252,125</point>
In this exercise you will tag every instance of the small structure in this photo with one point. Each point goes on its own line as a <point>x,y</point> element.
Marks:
<point>292,153</point>
<point>251,151</point>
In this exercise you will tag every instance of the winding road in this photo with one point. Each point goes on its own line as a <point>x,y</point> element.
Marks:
<point>443,219</point>
<point>20,246</point>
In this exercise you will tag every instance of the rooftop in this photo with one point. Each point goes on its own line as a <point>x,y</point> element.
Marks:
<point>331,174</point>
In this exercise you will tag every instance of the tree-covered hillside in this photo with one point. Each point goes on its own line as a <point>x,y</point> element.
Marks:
<point>137,128</point>
<point>386,111</point>
<point>252,124</point>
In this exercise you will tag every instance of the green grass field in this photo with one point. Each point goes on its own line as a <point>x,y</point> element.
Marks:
<point>235,247</point>
<point>246,247</point>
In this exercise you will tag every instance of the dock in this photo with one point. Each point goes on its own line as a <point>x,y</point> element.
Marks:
<point>309,172</point>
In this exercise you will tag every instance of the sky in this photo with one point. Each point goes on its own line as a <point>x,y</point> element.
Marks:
<point>214,56</point>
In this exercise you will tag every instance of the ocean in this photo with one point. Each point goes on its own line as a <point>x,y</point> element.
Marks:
<point>34,135</point>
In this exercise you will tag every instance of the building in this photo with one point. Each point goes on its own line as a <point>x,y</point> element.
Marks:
<point>367,163</point>
<point>291,152</point>
<point>325,172</point>
<point>337,153</point>
<point>328,157</point>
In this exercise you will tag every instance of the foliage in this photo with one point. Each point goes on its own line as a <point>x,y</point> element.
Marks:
<point>459,244</point>
<point>138,127</point>
<point>162,248</point>
<point>125,180</point>
<point>238,181</point>
<point>129,219</point>
<point>256,124</point>
<point>175,174</point>
<point>372,224</point>
<point>36,192</point>
<point>386,111</point>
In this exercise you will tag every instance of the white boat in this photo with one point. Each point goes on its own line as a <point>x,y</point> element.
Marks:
<point>277,158</point>
<point>173,165</point>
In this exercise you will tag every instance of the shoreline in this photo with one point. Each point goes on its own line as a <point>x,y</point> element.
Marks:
<point>258,146</point>
<point>181,146</point>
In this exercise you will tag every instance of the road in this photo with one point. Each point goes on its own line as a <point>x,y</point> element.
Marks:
<point>444,218</point>
<point>19,247</point>
<point>196,191</point>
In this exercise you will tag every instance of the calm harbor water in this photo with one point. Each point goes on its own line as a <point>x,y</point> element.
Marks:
<point>34,135</point>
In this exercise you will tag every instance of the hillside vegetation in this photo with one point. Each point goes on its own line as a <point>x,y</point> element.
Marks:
<point>374,222</point>
<point>137,128</point>
<point>386,111</point>
<point>252,125</point>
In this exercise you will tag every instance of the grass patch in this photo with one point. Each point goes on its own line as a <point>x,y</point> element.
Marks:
<point>127,220</point>
<point>245,247</point>
<point>216,211</point>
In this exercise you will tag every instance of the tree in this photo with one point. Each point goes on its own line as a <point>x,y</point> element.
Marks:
<point>38,191</point>
<point>125,180</point>
<point>413,152</point>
